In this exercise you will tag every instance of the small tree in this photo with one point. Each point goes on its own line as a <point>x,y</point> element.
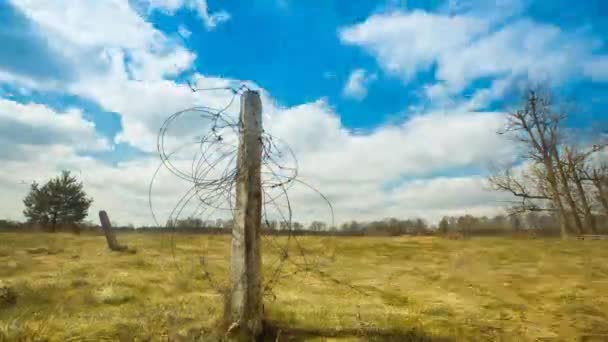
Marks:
<point>61,200</point>
<point>444,226</point>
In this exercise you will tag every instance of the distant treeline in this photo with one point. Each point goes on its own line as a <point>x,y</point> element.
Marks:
<point>527,223</point>
<point>532,223</point>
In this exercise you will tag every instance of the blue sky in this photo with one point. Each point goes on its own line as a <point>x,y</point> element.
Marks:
<point>424,82</point>
<point>293,49</point>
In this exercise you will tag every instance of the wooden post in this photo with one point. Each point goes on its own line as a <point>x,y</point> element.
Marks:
<point>245,297</point>
<point>107,230</point>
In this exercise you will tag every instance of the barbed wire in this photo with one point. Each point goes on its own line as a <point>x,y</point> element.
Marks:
<point>212,175</point>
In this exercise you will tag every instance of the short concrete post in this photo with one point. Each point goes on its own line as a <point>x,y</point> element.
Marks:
<point>107,230</point>
<point>245,299</point>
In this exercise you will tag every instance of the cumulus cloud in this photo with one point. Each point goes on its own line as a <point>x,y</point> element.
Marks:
<point>36,142</point>
<point>121,62</point>
<point>210,20</point>
<point>357,84</point>
<point>145,105</point>
<point>441,196</point>
<point>405,43</point>
<point>597,69</point>
<point>35,124</point>
<point>538,51</point>
<point>184,32</point>
<point>125,65</point>
<point>475,45</point>
<point>352,170</point>
<point>122,190</point>
<point>34,59</point>
<point>93,24</point>
<point>89,29</point>
<point>420,145</point>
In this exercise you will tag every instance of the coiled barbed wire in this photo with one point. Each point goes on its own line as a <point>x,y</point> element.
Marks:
<point>212,174</point>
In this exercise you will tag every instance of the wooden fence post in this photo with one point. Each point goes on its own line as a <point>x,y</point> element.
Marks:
<point>107,230</point>
<point>245,297</point>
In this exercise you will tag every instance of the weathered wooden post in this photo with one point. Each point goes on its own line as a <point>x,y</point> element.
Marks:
<point>245,297</point>
<point>107,230</point>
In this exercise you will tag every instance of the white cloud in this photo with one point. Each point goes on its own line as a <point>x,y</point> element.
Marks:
<point>120,61</point>
<point>91,23</point>
<point>437,197</point>
<point>26,81</point>
<point>36,124</point>
<point>89,34</point>
<point>475,45</point>
<point>351,170</point>
<point>525,48</point>
<point>128,75</point>
<point>422,144</point>
<point>498,90</point>
<point>184,32</point>
<point>122,190</point>
<point>35,143</point>
<point>145,105</point>
<point>442,98</point>
<point>210,20</point>
<point>151,67</point>
<point>405,43</point>
<point>357,84</point>
<point>495,11</point>
<point>597,69</point>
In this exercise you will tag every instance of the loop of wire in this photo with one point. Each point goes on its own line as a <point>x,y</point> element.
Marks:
<point>212,174</point>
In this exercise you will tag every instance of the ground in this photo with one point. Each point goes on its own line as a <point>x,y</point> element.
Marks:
<point>72,288</point>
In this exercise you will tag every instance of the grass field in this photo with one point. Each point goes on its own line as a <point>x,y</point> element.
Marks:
<point>71,288</point>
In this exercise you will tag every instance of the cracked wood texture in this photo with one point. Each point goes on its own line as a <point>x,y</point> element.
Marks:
<point>245,296</point>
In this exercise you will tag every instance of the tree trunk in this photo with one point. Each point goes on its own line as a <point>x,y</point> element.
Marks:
<point>546,146</point>
<point>54,223</point>
<point>589,219</point>
<point>602,196</point>
<point>604,201</point>
<point>563,179</point>
<point>564,224</point>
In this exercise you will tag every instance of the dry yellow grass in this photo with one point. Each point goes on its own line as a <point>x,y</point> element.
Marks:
<point>416,288</point>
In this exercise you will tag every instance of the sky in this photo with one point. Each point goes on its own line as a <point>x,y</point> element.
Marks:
<point>391,107</point>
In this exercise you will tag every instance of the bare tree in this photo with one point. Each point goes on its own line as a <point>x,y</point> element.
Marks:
<point>526,185</point>
<point>536,126</point>
<point>598,175</point>
<point>575,162</point>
